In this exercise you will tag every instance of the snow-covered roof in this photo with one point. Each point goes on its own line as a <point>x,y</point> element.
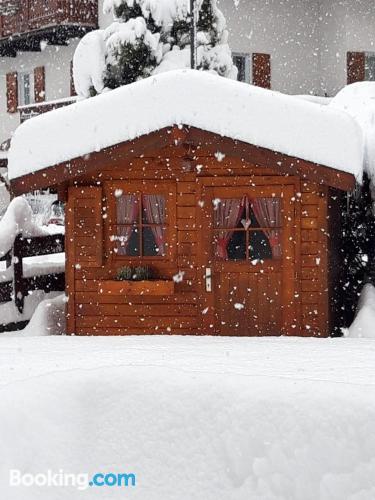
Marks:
<point>358,100</point>
<point>264,118</point>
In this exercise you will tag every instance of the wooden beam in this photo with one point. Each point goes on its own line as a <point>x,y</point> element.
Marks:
<point>195,140</point>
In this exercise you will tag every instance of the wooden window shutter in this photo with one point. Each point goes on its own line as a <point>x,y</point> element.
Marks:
<point>87,225</point>
<point>39,84</point>
<point>356,62</point>
<point>72,86</point>
<point>12,92</point>
<point>262,70</point>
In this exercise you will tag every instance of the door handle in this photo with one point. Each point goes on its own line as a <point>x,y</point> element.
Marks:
<point>208,278</point>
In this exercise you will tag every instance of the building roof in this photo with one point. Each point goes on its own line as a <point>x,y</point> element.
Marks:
<point>285,124</point>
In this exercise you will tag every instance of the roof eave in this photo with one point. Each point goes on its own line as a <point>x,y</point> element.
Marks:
<point>190,138</point>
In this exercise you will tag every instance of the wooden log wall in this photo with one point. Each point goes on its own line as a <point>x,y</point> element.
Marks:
<point>91,312</point>
<point>314,259</point>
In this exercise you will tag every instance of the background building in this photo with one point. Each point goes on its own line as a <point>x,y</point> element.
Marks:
<point>293,46</point>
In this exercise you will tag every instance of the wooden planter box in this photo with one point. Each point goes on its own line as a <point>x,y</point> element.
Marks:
<point>154,287</point>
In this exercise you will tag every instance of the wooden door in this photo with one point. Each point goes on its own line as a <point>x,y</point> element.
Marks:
<point>248,252</point>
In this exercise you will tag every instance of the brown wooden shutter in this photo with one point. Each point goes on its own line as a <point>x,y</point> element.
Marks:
<point>12,92</point>
<point>39,84</point>
<point>72,86</point>
<point>356,67</point>
<point>86,235</point>
<point>262,70</point>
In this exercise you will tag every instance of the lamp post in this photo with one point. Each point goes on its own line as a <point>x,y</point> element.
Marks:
<point>193,34</point>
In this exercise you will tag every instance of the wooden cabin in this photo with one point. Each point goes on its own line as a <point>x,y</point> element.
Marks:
<point>240,239</point>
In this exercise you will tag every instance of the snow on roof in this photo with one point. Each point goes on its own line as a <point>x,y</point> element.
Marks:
<point>229,108</point>
<point>358,100</point>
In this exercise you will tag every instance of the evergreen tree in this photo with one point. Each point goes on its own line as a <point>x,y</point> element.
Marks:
<point>358,250</point>
<point>152,36</point>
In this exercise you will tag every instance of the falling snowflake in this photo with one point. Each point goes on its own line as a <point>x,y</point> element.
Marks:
<point>216,202</point>
<point>219,156</point>
<point>179,277</point>
<point>239,306</point>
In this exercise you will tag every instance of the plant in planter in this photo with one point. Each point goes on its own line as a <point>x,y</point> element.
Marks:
<point>125,274</point>
<point>142,273</point>
<point>139,273</point>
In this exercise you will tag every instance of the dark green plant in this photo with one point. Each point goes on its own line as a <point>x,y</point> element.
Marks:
<point>123,12</point>
<point>125,274</point>
<point>142,273</point>
<point>358,249</point>
<point>133,61</point>
<point>180,32</point>
<point>139,273</point>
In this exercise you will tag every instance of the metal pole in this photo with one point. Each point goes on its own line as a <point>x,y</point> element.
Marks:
<point>193,34</point>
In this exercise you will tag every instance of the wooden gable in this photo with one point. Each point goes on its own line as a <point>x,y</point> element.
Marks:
<point>190,140</point>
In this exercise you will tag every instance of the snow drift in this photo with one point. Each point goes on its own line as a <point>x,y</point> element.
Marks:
<point>18,219</point>
<point>229,108</point>
<point>193,418</point>
<point>363,325</point>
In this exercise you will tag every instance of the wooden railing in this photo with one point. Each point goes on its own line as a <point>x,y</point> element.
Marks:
<point>38,14</point>
<point>17,289</point>
<point>32,110</point>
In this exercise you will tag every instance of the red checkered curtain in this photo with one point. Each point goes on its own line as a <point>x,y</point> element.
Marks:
<point>127,217</point>
<point>268,214</point>
<point>227,214</point>
<point>154,206</point>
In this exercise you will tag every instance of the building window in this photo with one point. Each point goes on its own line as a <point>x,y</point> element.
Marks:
<point>370,67</point>
<point>141,220</point>
<point>26,88</point>
<point>242,62</point>
<point>247,229</point>
<point>360,66</point>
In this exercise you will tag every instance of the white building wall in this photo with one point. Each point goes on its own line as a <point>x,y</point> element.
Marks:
<point>346,25</point>
<point>283,28</point>
<point>55,59</point>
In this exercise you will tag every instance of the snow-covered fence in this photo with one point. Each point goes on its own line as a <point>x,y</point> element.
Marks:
<point>19,287</point>
<point>32,247</point>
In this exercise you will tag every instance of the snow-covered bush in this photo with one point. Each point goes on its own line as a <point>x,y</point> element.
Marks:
<point>89,64</point>
<point>133,51</point>
<point>149,37</point>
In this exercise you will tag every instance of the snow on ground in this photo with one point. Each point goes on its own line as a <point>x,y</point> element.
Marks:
<point>10,314</point>
<point>195,418</point>
<point>241,111</point>
<point>49,318</point>
<point>364,323</point>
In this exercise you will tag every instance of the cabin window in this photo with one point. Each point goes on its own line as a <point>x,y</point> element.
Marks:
<point>141,225</point>
<point>247,229</point>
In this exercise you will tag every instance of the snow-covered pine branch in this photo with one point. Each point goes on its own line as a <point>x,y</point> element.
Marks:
<point>149,37</point>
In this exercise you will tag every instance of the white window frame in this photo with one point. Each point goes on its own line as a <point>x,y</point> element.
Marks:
<point>22,88</point>
<point>247,57</point>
